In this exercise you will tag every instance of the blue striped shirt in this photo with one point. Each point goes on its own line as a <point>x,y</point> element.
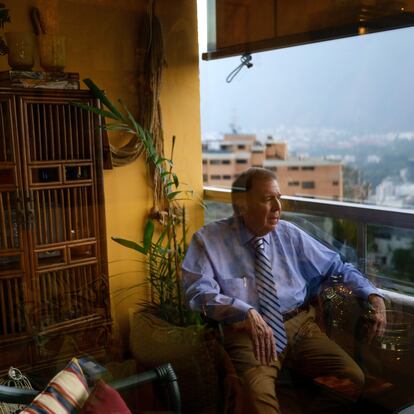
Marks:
<point>218,270</point>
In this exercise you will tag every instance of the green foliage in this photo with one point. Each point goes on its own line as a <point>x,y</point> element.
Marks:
<point>164,248</point>
<point>403,260</point>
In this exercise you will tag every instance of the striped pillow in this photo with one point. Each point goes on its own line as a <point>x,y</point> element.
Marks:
<point>66,393</point>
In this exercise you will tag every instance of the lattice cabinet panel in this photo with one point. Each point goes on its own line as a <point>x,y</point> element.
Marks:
<point>11,301</point>
<point>63,215</point>
<point>57,131</point>
<point>7,150</point>
<point>70,294</point>
<point>9,231</point>
<point>53,270</point>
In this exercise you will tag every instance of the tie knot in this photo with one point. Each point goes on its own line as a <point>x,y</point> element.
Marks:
<point>258,243</point>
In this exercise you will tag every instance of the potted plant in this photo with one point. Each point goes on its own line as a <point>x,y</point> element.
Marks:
<point>163,328</point>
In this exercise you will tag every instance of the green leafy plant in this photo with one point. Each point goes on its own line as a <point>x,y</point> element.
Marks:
<point>164,247</point>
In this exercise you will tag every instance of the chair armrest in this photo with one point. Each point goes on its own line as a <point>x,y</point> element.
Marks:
<point>14,395</point>
<point>161,374</point>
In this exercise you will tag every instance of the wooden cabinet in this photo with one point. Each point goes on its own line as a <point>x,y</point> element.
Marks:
<point>54,293</point>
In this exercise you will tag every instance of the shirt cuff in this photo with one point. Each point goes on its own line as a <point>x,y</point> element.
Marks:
<point>240,312</point>
<point>371,291</point>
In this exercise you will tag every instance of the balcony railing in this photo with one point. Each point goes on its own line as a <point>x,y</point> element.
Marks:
<point>368,222</point>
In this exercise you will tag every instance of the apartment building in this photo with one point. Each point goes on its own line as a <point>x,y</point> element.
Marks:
<point>224,160</point>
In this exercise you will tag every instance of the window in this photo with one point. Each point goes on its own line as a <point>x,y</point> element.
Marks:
<point>205,178</point>
<point>241,161</point>
<point>241,146</point>
<point>320,137</point>
<point>308,185</point>
<point>226,177</point>
<point>204,162</point>
<point>340,154</point>
<point>215,177</point>
<point>215,162</point>
<point>225,162</point>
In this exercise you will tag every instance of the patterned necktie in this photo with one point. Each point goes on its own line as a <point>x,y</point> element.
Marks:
<point>268,300</point>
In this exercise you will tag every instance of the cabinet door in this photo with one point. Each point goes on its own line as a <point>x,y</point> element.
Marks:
<point>13,269</point>
<point>63,211</point>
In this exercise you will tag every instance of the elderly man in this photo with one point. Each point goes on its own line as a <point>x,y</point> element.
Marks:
<point>253,273</point>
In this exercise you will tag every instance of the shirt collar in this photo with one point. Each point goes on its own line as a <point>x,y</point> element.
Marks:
<point>246,236</point>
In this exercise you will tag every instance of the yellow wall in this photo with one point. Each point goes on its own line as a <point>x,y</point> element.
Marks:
<point>101,45</point>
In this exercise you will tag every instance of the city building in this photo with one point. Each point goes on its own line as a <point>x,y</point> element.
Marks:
<point>225,159</point>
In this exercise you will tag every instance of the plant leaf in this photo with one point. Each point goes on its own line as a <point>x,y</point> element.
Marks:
<point>171,195</point>
<point>165,173</point>
<point>139,130</point>
<point>148,233</point>
<point>130,244</point>
<point>98,93</point>
<point>115,126</point>
<point>175,178</point>
<point>94,109</point>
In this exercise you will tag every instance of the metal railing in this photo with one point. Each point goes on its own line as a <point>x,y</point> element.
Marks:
<point>361,215</point>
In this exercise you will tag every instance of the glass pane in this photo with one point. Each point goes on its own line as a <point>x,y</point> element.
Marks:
<point>45,175</point>
<point>338,234</point>
<point>82,251</point>
<point>216,211</point>
<point>326,129</point>
<point>7,176</point>
<point>51,257</point>
<point>389,260</point>
<point>10,263</point>
<point>74,173</point>
<point>391,257</point>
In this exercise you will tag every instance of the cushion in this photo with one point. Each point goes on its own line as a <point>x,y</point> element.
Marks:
<point>65,393</point>
<point>104,399</point>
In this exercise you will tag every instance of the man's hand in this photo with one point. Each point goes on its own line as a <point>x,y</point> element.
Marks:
<point>262,337</point>
<point>376,317</point>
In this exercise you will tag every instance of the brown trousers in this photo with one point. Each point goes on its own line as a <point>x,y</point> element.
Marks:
<point>310,352</point>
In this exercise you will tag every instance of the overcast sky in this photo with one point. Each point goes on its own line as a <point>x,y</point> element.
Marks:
<point>361,84</point>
